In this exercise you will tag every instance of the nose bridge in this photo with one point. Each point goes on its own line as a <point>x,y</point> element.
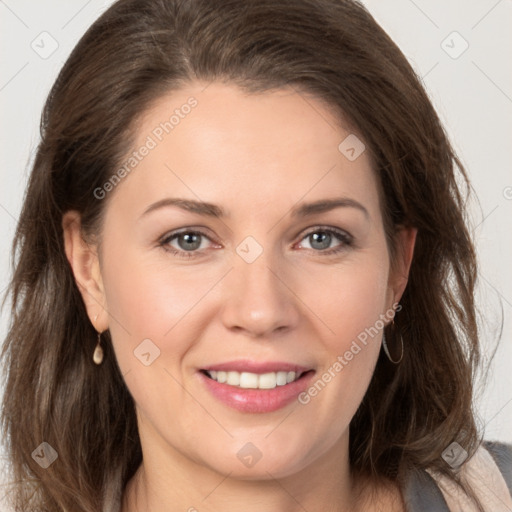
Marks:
<point>257,299</point>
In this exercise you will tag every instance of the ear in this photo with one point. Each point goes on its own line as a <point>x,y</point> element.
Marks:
<point>399,273</point>
<point>85,265</point>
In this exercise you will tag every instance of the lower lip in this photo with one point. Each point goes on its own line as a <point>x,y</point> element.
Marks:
<point>257,400</point>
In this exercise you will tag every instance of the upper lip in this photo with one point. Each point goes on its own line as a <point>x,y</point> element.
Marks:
<point>256,367</point>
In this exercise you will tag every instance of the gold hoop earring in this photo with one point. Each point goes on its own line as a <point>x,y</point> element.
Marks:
<point>97,356</point>
<point>385,346</point>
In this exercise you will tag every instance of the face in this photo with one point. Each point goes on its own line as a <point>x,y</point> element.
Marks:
<point>248,329</point>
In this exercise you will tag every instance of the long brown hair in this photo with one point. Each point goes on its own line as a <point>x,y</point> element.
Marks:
<point>136,51</point>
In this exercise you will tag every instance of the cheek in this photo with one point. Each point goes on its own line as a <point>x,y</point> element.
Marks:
<point>146,302</point>
<point>361,303</point>
<point>352,309</point>
<point>351,300</point>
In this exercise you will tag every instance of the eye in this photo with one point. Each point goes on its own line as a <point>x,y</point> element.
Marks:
<point>321,238</point>
<point>187,243</point>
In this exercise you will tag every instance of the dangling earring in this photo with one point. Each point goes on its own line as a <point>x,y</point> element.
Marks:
<point>97,357</point>
<point>385,345</point>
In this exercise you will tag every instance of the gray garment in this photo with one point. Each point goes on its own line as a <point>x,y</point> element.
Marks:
<point>422,494</point>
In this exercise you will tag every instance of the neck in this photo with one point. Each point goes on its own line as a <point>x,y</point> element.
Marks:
<point>167,481</point>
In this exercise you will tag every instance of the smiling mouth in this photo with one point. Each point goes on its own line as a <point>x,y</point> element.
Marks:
<point>248,380</point>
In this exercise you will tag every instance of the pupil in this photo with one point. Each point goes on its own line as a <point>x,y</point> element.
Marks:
<point>323,238</point>
<point>189,240</point>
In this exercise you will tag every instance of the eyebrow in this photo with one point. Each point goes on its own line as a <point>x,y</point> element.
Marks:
<point>300,211</point>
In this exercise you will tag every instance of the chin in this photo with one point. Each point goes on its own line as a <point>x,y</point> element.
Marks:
<point>248,462</point>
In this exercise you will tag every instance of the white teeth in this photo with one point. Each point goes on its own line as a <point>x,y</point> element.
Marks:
<point>281,378</point>
<point>233,379</point>
<point>268,380</point>
<point>249,380</point>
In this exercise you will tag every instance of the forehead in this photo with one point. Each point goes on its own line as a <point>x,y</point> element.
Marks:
<point>217,143</point>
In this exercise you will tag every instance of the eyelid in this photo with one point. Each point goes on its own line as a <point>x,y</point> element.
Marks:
<point>338,231</point>
<point>171,235</point>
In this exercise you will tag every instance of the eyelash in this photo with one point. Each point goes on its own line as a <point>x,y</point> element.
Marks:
<point>346,239</point>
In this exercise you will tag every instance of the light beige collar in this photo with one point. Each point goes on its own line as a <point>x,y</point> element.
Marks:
<point>484,477</point>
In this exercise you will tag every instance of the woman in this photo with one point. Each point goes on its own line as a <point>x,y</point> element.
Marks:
<point>248,277</point>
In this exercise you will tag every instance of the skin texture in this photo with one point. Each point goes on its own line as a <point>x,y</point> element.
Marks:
<point>256,156</point>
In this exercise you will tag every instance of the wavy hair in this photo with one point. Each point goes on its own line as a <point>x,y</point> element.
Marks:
<point>134,53</point>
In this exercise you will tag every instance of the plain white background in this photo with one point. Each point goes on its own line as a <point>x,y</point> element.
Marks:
<point>460,49</point>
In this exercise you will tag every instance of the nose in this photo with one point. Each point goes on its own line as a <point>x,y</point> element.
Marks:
<point>258,298</point>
